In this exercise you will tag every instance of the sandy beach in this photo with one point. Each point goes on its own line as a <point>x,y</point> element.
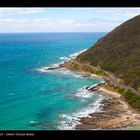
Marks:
<point>94,75</point>
<point>111,93</point>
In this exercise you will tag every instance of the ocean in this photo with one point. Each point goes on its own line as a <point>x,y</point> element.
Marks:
<point>32,99</point>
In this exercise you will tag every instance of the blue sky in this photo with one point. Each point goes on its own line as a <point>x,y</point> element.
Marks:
<point>63,19</point>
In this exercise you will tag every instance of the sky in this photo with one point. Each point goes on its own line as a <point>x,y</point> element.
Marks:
<point>63,19</point>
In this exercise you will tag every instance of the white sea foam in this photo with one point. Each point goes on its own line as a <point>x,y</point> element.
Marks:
<point>64,58</point>
<point>33,122</point>
<point>84,92</point>
<point>47,69</point>
<point>70,121</point>
<point>44,69</point>
<point>103,81</point>
<point>61,71</point>
<point>74,55</point>
<point>77,75</point>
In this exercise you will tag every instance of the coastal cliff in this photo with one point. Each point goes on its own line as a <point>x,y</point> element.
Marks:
<point>118,52</point>
<point>116,58</point>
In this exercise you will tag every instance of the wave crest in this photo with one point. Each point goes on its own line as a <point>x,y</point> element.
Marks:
<point>64,58</point>
<point>69,122</point>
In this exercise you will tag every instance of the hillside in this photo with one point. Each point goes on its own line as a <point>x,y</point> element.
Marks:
<point>118,52</point>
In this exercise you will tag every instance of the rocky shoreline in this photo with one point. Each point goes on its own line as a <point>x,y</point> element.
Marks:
<point>114,114</point>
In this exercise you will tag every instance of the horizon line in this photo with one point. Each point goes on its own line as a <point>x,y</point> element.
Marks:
<point>49,32</point>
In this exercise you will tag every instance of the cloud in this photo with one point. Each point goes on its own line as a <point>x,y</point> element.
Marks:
<point>55,25</point>
<point>19,11</point>
<point>118,12</point>
<point>100,19</point>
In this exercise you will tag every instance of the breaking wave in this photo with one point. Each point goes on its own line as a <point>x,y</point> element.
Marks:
<point>72,56</point>
<point>69,122</point>
<point>84,92</point>
<point>64,58</point>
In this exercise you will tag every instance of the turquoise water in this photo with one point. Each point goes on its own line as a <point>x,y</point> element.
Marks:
<point>32,100</point>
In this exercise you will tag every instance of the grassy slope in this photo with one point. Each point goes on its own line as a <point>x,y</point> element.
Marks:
<point>118,52</point>
<point>75,66</point>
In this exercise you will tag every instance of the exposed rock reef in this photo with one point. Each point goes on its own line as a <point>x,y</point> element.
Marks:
<point>115,114</point>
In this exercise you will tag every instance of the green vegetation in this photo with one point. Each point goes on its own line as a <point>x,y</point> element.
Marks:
<point>118,52</point>
<point>118,89</point>
<point>75,66</point>
<point>132,98</point>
